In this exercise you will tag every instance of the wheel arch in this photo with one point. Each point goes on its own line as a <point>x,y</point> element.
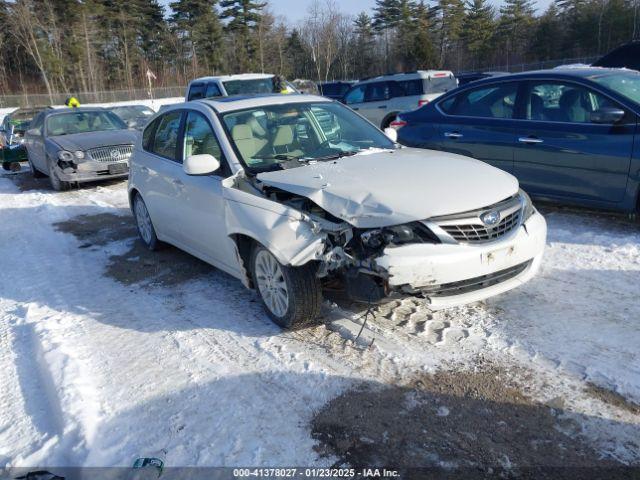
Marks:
<point>388,119</point>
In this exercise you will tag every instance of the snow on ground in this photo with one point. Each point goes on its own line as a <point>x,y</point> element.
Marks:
<point>99,367</point>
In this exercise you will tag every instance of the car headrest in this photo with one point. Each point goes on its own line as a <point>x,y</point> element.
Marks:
<point>242,132</point>
<point>284,136</point>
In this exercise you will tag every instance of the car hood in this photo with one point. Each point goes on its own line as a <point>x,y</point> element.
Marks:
<point>88,140</point>
<point>392,187</point>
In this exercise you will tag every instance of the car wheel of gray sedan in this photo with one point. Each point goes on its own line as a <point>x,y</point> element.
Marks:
<point>291,295</point>
<point>34,171</point>
<point>57,184</point>
<point>143,223</point>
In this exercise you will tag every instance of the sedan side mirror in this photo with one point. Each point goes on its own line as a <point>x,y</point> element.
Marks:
<point>203,164</point>
<point>392,134</point>
<point>607,115</point>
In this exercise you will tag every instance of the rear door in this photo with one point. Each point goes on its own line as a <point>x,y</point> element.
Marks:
<point>376,102</point>
<point>160,168</point>
<point>561,153</point>
<point>479,123</point>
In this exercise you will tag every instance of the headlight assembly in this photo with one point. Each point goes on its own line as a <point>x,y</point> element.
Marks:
<point>529,209</point>
<point>414,232</point>
<point>79,154</point>
<point>65,156</point>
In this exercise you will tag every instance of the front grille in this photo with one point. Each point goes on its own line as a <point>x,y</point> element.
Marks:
<point>474,233</point>
<point>477,283</point>
<point>106,155</point>
<point>469,228</point>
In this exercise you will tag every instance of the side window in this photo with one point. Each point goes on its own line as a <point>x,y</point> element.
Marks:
<point>563,102</point>
<point>196,91</point>
<point>199,137</point>
<point>412,87</point>
<point>497,101</point>
<point>356,95</point>
<point>165,138</point>
<point>37,122</point>
<point>212,90</point>
<point>377,92</point>
<point>148,133</point>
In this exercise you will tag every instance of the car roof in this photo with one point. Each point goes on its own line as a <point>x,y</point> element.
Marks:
<point>586,73</point>
<point>229,104</point>
<point>417,74</point>
<point>240,76</point>
<point>54,111</point>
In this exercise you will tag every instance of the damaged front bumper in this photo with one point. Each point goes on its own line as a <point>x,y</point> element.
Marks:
<point>90,171</point>
<point>456,274</point>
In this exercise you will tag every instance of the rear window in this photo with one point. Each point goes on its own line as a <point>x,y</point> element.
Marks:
<point>196,91</point>
<point>243,87</point>
<point>440,84</point>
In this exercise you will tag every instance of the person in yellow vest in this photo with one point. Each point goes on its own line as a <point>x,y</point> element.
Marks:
<point>280,85</point>
<point>72,102</point>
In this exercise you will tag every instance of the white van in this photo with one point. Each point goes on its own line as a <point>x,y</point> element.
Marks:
<point>380,99</point>
<point>228,85</point>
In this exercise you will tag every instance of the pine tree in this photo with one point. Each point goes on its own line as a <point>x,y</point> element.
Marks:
<point>477,32</point>
<point>386,15</point>
<point>516,27</point>
<point>364,54</point>
<point>198,27</point>
<point>548,35</point>
<point>451,17</point>
<point>424,52</point>
<point>243,16</point>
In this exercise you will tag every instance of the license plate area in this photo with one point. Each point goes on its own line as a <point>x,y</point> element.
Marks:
<point>117,168</point>
<point>499,256</point>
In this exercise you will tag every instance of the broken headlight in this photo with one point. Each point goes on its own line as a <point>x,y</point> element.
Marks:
<point>414,232</point>
<point>65,156</point>
<point>529,209</point>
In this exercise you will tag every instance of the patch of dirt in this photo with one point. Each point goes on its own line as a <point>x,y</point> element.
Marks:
<point>612,398</point>
<point>167,267</point>
<point>26,183</point>
<point>100,229</point>
<point>475,422</point>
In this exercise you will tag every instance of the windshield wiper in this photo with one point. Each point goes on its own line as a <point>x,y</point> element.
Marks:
<point>280,156</point>
<point>335,156</point>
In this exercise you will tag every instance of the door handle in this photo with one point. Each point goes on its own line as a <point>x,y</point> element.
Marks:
<point>453,135</point>
<point>530,140</point>
<point>382,106</point>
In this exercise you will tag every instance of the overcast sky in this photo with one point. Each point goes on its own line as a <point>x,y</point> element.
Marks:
<point>296,10</point>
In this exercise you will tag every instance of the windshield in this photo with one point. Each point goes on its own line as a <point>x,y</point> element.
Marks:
<point>132,112</point>
<point>335,89</point>
<point>242,87</point>
<point>83,122</point>
<point>286,136</point>
<point>626,84</point>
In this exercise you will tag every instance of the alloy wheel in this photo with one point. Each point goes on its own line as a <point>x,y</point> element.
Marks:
<point>271,283</point>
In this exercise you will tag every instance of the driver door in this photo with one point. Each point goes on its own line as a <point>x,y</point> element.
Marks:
<point>201,217</point>
<point>35,144</point>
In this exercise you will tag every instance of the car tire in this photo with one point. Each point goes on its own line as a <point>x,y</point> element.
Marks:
<point>291,296</point>
<point>34,171</point>
<point>388,119</point>
<point>57,184</point>
<point>144,225</point>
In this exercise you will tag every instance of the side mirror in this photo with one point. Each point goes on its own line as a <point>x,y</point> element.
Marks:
<point>607,115</point>
<point>34,132</point>
<point>203,164</point>
<point>392,133</point>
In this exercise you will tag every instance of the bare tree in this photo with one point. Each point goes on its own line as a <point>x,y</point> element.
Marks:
<point>321,33</point>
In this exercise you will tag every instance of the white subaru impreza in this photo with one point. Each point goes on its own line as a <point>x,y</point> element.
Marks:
<point>294,193</point>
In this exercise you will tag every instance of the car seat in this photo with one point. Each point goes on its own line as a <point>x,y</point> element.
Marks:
<point>248,145</point>
<point>574,107</point>
<point>283,141</point>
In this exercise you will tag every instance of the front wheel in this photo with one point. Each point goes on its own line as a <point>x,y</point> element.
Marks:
<point>291,295</point>
<point>57,184</point>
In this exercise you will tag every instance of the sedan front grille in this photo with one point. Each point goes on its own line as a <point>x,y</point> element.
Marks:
<point>111,154</point>
<point>476,283</point>
<point>471,233</point>
<point>469,227</point>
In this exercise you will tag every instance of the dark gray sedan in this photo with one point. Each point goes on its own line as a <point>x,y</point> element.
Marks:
<point>78,145</point>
